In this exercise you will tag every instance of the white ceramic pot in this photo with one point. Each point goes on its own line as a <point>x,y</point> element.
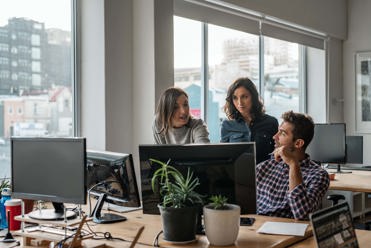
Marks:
<point>222,226</point>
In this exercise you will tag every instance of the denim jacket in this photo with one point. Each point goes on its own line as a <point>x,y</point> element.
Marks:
<point>261,130</point>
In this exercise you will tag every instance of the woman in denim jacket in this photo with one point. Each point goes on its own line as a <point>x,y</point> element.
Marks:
<point>247,120</point>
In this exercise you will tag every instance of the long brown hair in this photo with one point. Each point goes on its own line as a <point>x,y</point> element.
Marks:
<point>257,108</point>
<point>166,107</point>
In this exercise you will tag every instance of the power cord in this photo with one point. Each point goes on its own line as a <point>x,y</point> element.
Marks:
<point>155,241</point>
<point>96,185</point>
<point>105,235</point>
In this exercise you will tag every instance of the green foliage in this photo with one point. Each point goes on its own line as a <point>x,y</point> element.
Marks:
<point>218,201</point>
<point>4,183</point>
<point>176,190</point>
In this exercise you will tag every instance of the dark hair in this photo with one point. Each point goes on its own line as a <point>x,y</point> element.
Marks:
<point>165,108</point>
<point>257,108</point>
<point>303,126</point>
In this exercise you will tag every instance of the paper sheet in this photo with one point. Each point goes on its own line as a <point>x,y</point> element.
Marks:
<point>283,228</point>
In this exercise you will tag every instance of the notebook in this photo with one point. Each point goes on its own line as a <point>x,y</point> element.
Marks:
<point>333,227</point>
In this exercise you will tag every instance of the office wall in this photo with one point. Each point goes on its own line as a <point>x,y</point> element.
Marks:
<point>359,39</point>
<point>143,72</point>
<point>118,75</point>
<point>92,62</point>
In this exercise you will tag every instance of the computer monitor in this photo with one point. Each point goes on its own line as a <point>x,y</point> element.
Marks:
<point>49,169</point>
<point>354,147</point>
<point>328,144</point>
<point>111,178</point>
<point>227,169</point>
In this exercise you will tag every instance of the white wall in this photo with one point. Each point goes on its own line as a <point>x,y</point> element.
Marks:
<point>118,75</point>
<point>92,62</point>
<point>359,39</point>
<point>316,85</point>
<point>143,72</point>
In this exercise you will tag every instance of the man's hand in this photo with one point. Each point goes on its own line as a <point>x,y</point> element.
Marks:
<point>287,154</point>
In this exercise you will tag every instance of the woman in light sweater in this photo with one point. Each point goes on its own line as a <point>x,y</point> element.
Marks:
<point>173,123</point>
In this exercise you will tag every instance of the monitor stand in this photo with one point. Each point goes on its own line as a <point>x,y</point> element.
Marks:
<point>338,170</point>
<point>106,217</point>
<point>58,213</point>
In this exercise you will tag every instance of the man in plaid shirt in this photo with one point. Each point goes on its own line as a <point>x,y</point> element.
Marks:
<point>290,184</point>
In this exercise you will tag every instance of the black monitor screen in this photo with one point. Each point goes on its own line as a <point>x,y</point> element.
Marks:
<point>113,174</point>
<point>354,149</point>
<point>227,169</point>
<point>49,169</point>
<point>328,143</point>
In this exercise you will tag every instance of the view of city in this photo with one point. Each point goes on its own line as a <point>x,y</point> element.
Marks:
<point>233,54</point>
<point>36,97</point>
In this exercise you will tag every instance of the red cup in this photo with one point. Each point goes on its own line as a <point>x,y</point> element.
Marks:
<point>12,209</point>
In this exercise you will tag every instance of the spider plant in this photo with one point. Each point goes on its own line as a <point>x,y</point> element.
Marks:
<point>177,191</point>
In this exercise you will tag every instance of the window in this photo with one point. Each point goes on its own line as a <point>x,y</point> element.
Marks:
<point>38,70</point>
<point>35,40</point>
<point>277,67</point>
<point>281,76</point>
<point>36,53</point>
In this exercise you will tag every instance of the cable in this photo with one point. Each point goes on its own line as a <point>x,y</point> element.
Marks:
<point>106,235</point>
<point>95,185</point>
<point>155,241</point>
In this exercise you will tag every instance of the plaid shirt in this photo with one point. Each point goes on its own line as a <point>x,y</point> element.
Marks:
<point>274,197</point>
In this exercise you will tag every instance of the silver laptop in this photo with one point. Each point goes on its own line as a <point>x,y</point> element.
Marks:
<point>333,227</point>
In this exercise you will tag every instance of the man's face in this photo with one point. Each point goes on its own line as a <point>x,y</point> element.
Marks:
<point>284,136</point>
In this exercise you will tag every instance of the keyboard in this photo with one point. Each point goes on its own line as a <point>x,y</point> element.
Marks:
<point>119,209</point>
<point>360,167</point>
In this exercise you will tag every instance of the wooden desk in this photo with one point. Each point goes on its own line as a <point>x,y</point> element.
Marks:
<point>248,237</point>
<point>363,236</point>
<point>357,181</point>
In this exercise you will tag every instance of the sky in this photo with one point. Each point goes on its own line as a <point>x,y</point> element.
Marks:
<point>53,13</point>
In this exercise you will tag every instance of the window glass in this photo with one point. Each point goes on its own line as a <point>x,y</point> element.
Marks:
<point>35,72</point>
<point>232,54</point>
<point>281,76</point>
<point>187,60</point>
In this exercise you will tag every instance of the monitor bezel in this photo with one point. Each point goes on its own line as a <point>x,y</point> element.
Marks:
<point>108,158</point>
<point>50,198</point>
<point>150,199</point>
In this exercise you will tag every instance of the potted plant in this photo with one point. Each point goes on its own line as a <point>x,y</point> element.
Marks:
<point>180,203</point>
<point>222,221</point>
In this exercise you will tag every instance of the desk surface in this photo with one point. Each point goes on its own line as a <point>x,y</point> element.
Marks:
<point>357,181</point>
<point>363,236</point>
<point>248,237</point>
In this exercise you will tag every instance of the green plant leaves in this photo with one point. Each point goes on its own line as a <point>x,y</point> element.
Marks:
<point>218,201</point>
<point>177,191</point>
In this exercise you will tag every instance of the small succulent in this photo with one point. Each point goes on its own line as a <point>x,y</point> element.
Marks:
<point>218,202</point>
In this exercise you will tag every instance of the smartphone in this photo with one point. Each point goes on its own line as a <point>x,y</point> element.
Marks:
<point>245,221</point>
